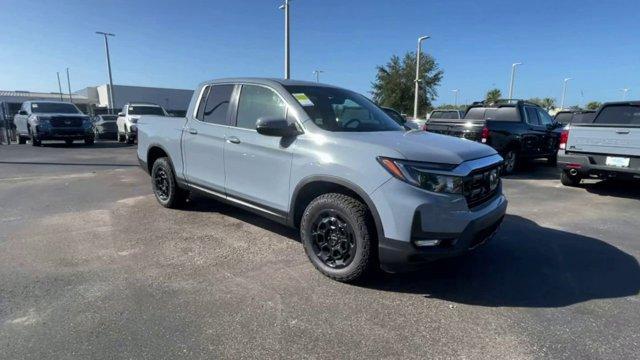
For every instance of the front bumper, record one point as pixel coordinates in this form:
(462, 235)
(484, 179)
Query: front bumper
(53, 133)
(593, 165)
(409, 214)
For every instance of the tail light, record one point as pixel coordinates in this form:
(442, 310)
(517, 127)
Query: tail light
(485, 135)
(564, 138)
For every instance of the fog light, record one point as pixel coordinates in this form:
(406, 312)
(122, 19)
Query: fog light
(435, 242)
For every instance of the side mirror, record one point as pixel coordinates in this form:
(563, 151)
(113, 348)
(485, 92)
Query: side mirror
(120, 114)
(275, 127)
(22, 112)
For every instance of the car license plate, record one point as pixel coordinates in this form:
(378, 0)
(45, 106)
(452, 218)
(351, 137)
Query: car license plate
(617, 161)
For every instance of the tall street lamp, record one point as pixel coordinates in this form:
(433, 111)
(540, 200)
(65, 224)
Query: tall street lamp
(106, 46)
(417, 90)
(69, 86)
(564, 91)
(317, 74)
(513, 76)
(455, 96)
(59, 86)
(287, 68)
(624, 93)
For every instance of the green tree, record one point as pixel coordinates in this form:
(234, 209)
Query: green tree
(548, 103)
(395, 82)
(493, 95)
(593, 105)
(536, 100)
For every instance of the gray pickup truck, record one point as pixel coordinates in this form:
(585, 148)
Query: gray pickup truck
(607, 147)
(362, 190)
(52, 120)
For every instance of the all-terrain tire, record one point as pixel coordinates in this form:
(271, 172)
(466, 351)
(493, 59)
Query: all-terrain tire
(568, 180)
(167, 193)
(357, 216)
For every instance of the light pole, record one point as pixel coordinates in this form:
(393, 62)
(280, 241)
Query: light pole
(69, 86)
(317, 74)
(417, 90)
(564, 92)
(624, 93)
(59, 86)
(455, 97)
(287, 68)
(106, 46)
(513, 76)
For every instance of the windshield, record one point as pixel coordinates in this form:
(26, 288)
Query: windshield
(619, 115)
(564, 117)
(444, 115)
(395, 116)
(145, 110)
(58, 108)
(334, 109)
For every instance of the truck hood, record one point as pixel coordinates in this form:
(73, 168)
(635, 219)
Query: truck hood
(424, 146)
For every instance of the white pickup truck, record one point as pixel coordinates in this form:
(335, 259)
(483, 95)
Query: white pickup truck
(607, 147)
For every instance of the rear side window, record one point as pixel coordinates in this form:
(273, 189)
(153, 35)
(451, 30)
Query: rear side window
(444, 115)
(258, 102)
(619, 115)
(217, 106)
(475, 114)
(532, 115)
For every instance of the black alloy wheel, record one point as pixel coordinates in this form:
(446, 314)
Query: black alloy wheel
(334, 240)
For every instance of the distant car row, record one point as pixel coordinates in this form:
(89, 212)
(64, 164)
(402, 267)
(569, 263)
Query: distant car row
(39, 121)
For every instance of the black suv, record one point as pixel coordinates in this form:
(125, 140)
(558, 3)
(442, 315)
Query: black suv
(517, 129)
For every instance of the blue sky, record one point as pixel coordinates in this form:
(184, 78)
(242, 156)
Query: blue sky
(181, 43)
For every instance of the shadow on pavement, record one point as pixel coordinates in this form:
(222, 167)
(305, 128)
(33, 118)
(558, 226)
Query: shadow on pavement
(64, 164)
(535, 170)
(526, 265)
(616, 188)
(96, 145)
(203, 204)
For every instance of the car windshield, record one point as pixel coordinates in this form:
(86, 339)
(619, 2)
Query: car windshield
(395, 116)
(564, 117)
(57, 108)
(145, 110)
(444, 115)
(339, 110)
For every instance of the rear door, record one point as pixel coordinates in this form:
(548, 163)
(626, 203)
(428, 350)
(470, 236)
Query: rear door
(204, 138)
(258, 167)
(552, 135)
(535, 135)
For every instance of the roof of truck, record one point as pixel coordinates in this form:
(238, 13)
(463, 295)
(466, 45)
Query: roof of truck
(267, 81)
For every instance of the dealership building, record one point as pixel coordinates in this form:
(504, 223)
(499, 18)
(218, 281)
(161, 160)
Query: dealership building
(95, 99)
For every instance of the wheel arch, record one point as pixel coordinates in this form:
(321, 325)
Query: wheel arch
(314, 186)
(155, 152)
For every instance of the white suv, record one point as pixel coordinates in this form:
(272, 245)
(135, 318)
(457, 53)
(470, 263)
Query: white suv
(128, 118)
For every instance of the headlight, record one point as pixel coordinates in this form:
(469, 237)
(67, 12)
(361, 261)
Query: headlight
(41, 120)
(424, 175)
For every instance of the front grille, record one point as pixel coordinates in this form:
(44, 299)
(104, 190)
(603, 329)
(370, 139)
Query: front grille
(477, 186)
(65, 122)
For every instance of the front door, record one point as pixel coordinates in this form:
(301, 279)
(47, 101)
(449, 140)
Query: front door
(204, 138)
(258, 166)
(535, 135)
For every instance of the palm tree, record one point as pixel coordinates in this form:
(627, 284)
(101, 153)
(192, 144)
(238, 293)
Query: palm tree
(493, 95)
(548, 103)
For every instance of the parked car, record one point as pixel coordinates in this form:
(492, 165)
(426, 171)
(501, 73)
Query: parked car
(446, 114)
(608, 147)
(127, 119)
(401, 120)
(52, 120)
(517, 129)
(566, 117)
(105, 126)
(328, 161)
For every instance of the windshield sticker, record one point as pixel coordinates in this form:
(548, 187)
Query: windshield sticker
(303, 99)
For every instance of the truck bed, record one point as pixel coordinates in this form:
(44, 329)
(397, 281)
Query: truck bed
(461, 128)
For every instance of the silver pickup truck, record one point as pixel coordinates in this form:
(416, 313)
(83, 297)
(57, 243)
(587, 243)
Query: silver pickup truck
(607, 147)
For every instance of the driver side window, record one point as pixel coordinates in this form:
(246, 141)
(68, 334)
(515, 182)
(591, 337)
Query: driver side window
(257, 102)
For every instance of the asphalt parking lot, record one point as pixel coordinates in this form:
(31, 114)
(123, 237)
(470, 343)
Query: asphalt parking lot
(92, 267)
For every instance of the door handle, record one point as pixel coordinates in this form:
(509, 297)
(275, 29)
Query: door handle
(192, 131)
(622, 132)
(233, 140)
